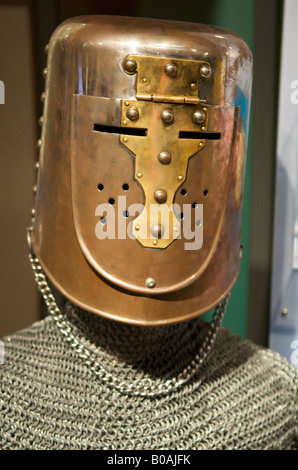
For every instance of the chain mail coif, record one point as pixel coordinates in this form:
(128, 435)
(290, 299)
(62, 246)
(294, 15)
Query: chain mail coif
(243, 397)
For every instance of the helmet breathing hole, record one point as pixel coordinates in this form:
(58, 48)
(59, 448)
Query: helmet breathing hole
(198, 223)
(181, 215)
(100, 187)
(183, 192)
(125, 187)
(194, 205)
(126, 214)
(103, 220)
(205, 192)
(111, 201)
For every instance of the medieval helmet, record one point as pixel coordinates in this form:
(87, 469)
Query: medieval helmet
(141, 170)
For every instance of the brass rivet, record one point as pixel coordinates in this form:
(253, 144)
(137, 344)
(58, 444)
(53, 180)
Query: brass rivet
(42, 96)
(193, 86)
(284, 312)
(180, 177)
(203, 129)
(124, 123)
(46, 49)
(127, 103)
(40, 121)
(171, 70)
(150, 282)
(164, 157)
(160, 196)
(145, 80)
(201, 144)
(35, 189)
(157, 231)
(155, 242)
(199, 116)
(137, 227)
(37, 165)
(167, 116)
(130, 65)
(125, 139)
(139, 174)
(132, 114)
(33, 212)
(205, 109)
(38, 143)
(45, 72)
(175, 229)
(205, 71)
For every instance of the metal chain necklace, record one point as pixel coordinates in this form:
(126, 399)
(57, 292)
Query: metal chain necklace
(144, 387)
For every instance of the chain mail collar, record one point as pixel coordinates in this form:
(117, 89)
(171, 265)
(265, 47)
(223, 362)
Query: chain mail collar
(65, 384)
(137, 356)
(157, 359)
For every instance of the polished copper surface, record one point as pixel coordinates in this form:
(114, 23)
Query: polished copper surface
(90, 76)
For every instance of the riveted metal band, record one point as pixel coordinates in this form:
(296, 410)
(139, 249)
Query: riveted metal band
(166, 103)
(153, 83)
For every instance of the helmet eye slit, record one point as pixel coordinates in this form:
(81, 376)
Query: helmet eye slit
(120, 130)
(199, 135)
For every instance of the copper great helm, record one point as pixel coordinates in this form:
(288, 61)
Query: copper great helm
(141, 171)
